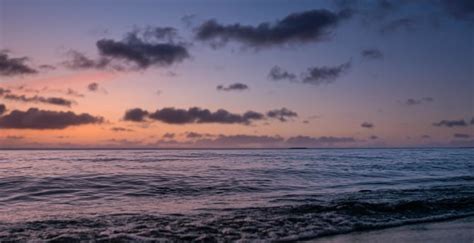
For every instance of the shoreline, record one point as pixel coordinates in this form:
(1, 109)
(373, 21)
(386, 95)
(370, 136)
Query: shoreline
(456, 230)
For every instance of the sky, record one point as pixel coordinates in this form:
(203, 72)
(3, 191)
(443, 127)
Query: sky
(236, 74)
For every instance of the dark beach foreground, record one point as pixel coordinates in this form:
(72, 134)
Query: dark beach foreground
(460, 231)
(232, 195)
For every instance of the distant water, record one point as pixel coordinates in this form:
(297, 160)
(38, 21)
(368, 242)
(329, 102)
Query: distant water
(227, 194)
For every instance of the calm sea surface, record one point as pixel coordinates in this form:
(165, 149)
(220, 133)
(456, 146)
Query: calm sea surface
(227, 194)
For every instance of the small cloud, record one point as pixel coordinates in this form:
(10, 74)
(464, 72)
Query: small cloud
(461, 135)
(169, 135)
(233, 87)
(412, 102)
(373, 137)
(37, 99)
(93, 87)
(313, 75)
(74, 93)
(282, 114)
(372, 53)
(451, 123)
(367, 125)
(194, 135)
(324, 75)
(121, 129)
(277, 73)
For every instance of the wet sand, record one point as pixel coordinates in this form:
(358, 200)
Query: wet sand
(460, 231)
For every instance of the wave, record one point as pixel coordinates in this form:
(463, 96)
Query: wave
(342, 214)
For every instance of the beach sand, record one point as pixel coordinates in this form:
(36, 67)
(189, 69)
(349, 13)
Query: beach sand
(459, 231)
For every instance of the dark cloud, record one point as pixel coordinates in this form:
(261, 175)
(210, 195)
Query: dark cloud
(197, 115)
(308, 26)
(389, 15)
(282, 114)
(136, 115)
(233, 87)
(372, 53)
(472, 121)
(306, 141)
(3, 108)
(121, 129)
(169, 135)
(412, 101)
(93, 87)
(144, 51)
(324, 75)
(461, 135)
(11, 66)
(460, 9)
(426, 136)
(367, 125)
(172, 115)
(381, 13)
(313, 75)
(451, 123)
(34, 118)
(277, 74)
(140, 49)
(38, 99)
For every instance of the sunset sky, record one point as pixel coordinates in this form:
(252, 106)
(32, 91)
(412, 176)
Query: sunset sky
(294, 73)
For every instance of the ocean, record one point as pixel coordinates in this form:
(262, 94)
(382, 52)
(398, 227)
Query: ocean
(227, 195)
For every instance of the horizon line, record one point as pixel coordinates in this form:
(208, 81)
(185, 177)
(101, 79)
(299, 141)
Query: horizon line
(236, 148)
